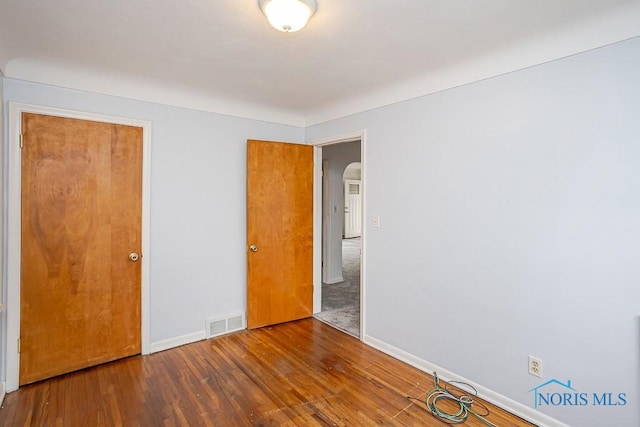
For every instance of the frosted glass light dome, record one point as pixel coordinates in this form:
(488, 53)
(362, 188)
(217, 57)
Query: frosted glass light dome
(288, 15)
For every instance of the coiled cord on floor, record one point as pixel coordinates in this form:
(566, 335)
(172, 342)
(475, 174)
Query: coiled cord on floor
(461, 399)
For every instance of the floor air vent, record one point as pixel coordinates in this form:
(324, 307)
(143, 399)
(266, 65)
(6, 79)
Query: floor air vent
(215, 327)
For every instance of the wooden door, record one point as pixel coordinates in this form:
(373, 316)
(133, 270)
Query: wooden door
(81, 219)
(352, 208)
(279, 232)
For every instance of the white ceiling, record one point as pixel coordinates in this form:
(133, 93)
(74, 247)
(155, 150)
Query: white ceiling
(221, 55)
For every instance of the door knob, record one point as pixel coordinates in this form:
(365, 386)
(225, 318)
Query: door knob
(253, 248)
(134, 256)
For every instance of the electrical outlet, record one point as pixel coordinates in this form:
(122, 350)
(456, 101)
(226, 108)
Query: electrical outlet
(376, 221)
(535, 366)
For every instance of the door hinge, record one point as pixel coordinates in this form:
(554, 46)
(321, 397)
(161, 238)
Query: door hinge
(18, 345)
(21, 142)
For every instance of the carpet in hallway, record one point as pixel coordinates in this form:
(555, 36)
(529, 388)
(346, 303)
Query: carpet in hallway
(341, 301)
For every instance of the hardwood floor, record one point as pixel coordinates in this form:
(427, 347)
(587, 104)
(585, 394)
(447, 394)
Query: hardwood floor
(302, 373)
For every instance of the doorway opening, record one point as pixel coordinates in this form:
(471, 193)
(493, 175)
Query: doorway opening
(342, 236)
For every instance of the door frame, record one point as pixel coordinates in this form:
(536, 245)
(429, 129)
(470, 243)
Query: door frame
(318, 254)
(13, 228)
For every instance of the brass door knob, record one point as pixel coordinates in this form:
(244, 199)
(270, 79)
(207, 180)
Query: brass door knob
(253, 248)
(134, 257)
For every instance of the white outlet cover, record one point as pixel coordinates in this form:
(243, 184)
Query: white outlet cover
(535, 366)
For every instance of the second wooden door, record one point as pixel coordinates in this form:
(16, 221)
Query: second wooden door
(279, 232)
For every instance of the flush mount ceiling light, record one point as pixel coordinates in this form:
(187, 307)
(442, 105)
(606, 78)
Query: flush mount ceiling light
(288, 15)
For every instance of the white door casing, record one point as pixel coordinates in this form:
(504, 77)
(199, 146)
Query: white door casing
(14, 227)
(319, 255)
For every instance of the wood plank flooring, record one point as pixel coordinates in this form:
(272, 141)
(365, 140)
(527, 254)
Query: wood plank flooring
(302, 373)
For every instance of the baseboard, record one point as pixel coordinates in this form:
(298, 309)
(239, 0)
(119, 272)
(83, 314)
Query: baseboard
(3, 391)
(334, 280)
(491, 396)
(177, 341)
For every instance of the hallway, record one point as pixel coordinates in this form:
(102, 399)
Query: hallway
(341, 301)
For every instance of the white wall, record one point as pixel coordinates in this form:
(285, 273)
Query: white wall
(339, 156)
(198, 193)
(510, 226)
